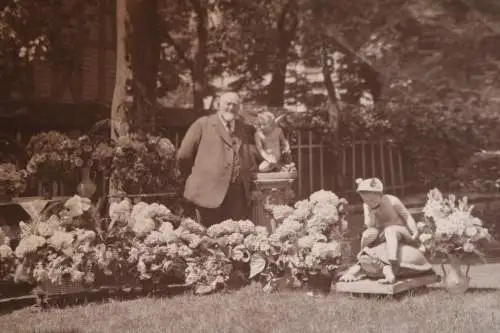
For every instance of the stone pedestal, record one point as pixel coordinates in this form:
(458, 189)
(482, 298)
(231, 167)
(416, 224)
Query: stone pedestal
(271, 188)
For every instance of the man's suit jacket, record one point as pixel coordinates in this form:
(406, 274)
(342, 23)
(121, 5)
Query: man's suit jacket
(206, 152)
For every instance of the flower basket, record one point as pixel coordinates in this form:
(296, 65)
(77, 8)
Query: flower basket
(66, 286)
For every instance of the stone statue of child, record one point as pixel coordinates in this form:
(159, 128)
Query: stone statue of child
(271, 143)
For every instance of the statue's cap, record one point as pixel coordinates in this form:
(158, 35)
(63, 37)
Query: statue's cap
(370, 185)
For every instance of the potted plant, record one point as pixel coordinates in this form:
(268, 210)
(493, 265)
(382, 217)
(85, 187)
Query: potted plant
(451, 233)
(12, 181)
(51, 158)
(144, 164)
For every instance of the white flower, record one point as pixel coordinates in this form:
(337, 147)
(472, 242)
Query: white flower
(469, 247)
(5, 252)
(470, 231)
(302, 210)
(154, 238)
(235, 239)
(61, 240)
(323, 196)
(192, 226)
(77, 205)
(260, 230)
(424, 238)
(120, 211)
(143, 226)
(247, 227)
(47, 228)
(29, 245)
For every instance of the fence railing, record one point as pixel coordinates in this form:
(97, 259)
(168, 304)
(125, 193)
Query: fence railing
(319, 168)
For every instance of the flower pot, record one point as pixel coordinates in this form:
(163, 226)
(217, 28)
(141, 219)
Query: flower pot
(87, 187)
(454, 280)
(320, 284)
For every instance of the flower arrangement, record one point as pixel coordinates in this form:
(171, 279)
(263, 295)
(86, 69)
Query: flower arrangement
(56, 249)
(12, 180)
(92, 152)
(144, 163)
(145, 244)
(307, 241)
(450, 228)
(52, 156)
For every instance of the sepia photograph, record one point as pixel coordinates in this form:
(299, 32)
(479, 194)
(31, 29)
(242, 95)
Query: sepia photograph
(250, 166)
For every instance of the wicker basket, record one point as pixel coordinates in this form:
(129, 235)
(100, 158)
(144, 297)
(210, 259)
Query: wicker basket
(66, 287)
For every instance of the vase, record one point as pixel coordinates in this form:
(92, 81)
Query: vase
(47, 189)
(454, 280)
(86, 188)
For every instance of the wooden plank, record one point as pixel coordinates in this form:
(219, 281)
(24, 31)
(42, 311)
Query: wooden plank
(400, 168)
(382, 159)
(363, 159)
(367, 286)
(321, 167)
(372, 155)
(391, 166)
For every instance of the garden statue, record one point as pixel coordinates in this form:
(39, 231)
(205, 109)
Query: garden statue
(272, 145)
(386, 219)
(373, 263)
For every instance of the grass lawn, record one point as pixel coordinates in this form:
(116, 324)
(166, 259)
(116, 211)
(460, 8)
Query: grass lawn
(251, 311)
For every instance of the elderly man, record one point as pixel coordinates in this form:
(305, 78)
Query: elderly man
(217, 154)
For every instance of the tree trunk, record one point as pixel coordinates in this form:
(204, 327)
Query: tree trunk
(119, 121)
(119, 114)
(144, 47)
(286, 28)
(200, 55)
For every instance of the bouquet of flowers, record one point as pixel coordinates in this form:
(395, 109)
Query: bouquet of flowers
(307, 239)
(92, 152)
(12, 180)
(57, 249)
(52, 155)
(450, 228)
(53, 254)
(144, 163)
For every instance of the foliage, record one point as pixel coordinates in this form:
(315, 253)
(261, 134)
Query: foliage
(12, 179)
(450, 227)
(480, 173)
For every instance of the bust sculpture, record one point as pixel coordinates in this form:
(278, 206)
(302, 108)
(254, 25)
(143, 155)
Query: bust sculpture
(272, 145)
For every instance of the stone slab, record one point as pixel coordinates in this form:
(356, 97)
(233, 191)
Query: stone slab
(367, 286)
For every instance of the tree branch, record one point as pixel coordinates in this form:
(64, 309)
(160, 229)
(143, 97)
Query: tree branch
(180, 52)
